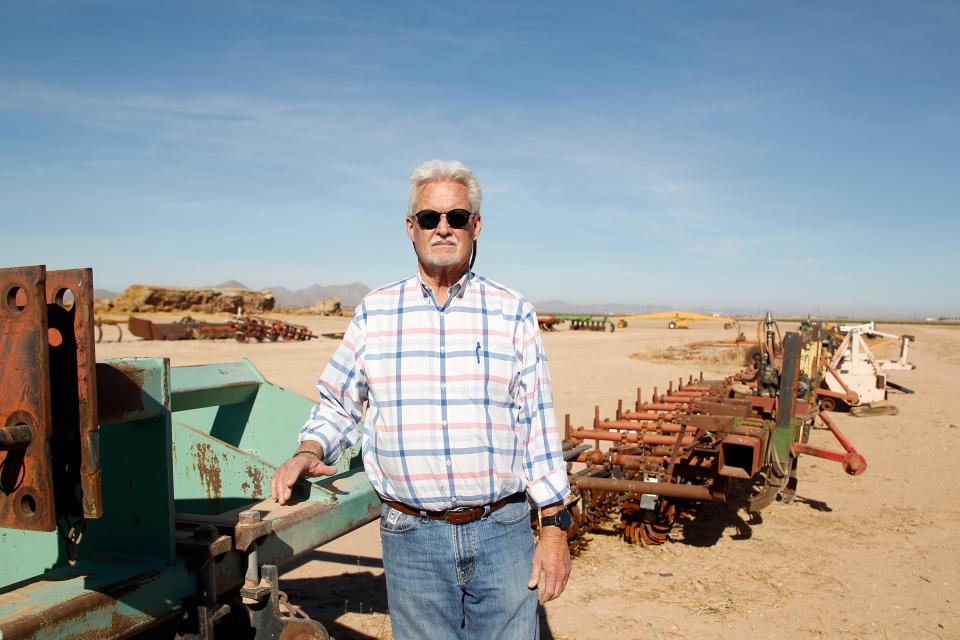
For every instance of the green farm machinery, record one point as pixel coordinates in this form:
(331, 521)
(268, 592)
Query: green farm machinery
(578, 322)
(133, 495)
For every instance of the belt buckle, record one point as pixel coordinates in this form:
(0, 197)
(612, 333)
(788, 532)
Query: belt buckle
(460, 515)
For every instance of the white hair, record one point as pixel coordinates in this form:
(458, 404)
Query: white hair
(444, 171)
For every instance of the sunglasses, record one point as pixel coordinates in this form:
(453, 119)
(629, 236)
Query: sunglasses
(430, 219)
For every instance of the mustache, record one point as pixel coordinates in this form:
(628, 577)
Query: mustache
(440, 241)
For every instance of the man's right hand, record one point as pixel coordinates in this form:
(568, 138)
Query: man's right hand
(296, 467)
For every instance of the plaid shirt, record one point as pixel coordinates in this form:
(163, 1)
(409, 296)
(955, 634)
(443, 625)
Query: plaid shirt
(460, 411)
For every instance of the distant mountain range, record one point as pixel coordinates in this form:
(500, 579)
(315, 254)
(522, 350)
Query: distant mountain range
(611, 308)
(230, 284)
(104, 294)
(621, 309)
(349, 295)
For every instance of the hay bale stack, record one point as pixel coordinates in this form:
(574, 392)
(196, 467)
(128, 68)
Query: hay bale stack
(140, 298)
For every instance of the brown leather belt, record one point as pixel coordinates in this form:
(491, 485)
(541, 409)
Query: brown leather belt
(457, 516)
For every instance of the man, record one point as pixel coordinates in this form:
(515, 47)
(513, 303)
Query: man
(459, 432)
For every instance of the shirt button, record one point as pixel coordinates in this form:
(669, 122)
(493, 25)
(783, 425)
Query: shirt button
(443, 385)
(441, 349)
(454, 500)
(448, 462)
(444, 423)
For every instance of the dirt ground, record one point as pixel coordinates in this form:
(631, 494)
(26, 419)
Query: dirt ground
(873, 556)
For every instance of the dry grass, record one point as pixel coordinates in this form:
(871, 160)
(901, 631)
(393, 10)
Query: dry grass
(715, 356)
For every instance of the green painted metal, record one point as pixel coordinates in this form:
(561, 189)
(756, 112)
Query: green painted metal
(214, 385)
(355, 505)
(262, 420)
(782, 439)
(231, 431)
(24, 554)
(179, 447)
(229, 477)
(95, 599)
(137, 473)
(132, 389)
(137, 479)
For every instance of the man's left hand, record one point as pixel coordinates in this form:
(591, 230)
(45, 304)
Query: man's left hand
(552, 557)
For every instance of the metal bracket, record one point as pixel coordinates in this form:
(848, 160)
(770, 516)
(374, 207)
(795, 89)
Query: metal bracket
(201, 551)
(26, 476)
(204, 544)
(48, 413)
(249, 529)
(270, 622)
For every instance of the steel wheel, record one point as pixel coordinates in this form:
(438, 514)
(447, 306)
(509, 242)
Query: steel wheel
(654, 532)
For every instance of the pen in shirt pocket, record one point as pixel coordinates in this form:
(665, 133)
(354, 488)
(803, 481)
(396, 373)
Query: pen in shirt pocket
(478, 353)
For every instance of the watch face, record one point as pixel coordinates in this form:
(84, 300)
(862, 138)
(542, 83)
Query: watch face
(564, 519)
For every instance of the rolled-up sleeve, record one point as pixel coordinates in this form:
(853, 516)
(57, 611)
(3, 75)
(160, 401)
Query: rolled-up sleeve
(545, 469)
(343, 391)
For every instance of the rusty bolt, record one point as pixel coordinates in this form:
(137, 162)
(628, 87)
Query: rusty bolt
(248, 517)
(206, 533)
(16, 436)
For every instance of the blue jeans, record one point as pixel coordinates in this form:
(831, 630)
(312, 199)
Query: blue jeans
(460, 581)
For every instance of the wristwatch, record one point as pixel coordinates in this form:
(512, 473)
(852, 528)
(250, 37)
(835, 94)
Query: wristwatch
(561, 519)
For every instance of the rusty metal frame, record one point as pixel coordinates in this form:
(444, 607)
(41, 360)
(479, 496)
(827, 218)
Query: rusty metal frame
(26, 475)
(48, 374)
(74, 390)
(706, 440)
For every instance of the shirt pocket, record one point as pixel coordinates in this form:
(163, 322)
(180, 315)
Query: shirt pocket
(494, 371)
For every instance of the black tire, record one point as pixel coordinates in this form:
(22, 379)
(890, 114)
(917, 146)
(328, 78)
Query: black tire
(671, 325)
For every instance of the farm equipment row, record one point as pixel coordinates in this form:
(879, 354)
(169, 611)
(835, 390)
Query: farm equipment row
(736, 440)
(578, 322)
(680, 319)
(242, 328)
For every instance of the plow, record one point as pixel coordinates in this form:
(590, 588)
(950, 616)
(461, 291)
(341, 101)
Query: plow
(241, 328)
(737, 440)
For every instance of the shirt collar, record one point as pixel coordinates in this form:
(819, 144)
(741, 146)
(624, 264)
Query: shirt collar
(456, 290)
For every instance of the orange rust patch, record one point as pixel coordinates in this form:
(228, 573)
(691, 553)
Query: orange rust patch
(256, 475)
(209, 468)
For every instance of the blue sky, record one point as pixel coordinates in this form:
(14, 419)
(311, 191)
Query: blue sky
(796, 156)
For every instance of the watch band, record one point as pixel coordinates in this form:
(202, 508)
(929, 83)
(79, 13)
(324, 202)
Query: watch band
(561, 519)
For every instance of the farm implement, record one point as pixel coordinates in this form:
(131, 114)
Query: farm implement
(241, 328)
(736, 440)
(134, 495)
(680, 319)
(590, 323)
(578, 322)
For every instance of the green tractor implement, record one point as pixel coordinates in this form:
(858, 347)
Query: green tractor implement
(134, 495)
